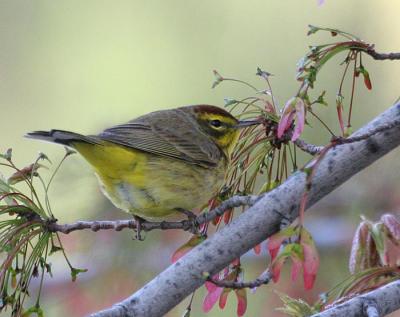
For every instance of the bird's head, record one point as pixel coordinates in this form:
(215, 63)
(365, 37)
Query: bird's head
(222, 127)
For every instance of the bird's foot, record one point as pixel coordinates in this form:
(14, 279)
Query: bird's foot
(192, 226)
(139, 221)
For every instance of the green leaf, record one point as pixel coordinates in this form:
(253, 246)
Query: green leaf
(7, 156)
(377, 233)
(312, 29)
(69, 151)
(262, 73)
(75, 272)
(44, 157)
(359, 250)
(4, 186)
(218, 79)
(229, 102)
(295, 307)
(54, 249)
(321, 100)
(33, 310)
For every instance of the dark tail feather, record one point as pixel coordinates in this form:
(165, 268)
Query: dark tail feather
(61, 137)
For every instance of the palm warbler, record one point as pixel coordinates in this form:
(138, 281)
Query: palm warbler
(162, 162)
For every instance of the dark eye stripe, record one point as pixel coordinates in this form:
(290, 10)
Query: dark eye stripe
(216, 123)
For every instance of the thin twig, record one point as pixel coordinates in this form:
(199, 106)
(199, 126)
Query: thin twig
(186, 225)
(315, 149)
(263, 279)
(382, 56)
(308, 147)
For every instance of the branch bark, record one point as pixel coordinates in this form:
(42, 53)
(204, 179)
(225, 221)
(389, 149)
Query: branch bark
(379, 302)
(118, 225)
(259, 222)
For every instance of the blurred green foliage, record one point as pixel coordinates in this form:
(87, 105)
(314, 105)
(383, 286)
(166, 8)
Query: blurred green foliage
(86, 65)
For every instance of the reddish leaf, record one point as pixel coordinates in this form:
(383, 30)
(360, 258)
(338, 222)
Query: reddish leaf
(287, 117)
(227, 215)
(367, 79)
(277, 267)
(392, 251)
(216, 220)
(185, 248)
(297, 264)
(23, 174)
(311, 259)
(277, 263)
(392, 225)
(211, 287)
(300, 119)
(294, 109)
(224, 297)
(242, 301)
(364, 72)
(359, 248)
(211, 298)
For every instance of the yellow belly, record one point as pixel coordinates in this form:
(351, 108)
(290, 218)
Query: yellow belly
(151, 186)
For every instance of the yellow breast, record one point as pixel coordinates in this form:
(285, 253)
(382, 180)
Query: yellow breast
(148, 185)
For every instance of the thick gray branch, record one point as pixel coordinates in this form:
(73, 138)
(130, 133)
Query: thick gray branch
(379, 302)
(258, 223)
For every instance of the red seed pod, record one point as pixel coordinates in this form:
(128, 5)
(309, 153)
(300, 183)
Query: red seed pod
(367, 80)
(228, 216)
(311, 259)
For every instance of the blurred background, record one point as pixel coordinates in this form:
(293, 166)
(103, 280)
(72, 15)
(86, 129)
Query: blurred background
(86, 65)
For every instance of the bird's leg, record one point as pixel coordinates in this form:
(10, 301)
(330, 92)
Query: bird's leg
(194, 226)
(138, 229)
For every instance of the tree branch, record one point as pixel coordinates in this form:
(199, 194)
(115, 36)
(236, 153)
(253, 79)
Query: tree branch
(118, 225)
(263, 279)
(258, 222)
(379, 302)
(315, 149)
(382, 56)
(308, 147)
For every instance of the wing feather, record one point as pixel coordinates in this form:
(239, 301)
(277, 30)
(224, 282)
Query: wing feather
(166, 133)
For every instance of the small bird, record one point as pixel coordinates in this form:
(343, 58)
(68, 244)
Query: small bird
(162, 163)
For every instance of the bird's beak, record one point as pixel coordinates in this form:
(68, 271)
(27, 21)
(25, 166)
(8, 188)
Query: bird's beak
(243, 124)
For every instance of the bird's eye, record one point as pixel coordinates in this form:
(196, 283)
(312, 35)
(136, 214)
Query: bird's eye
(216, 123)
